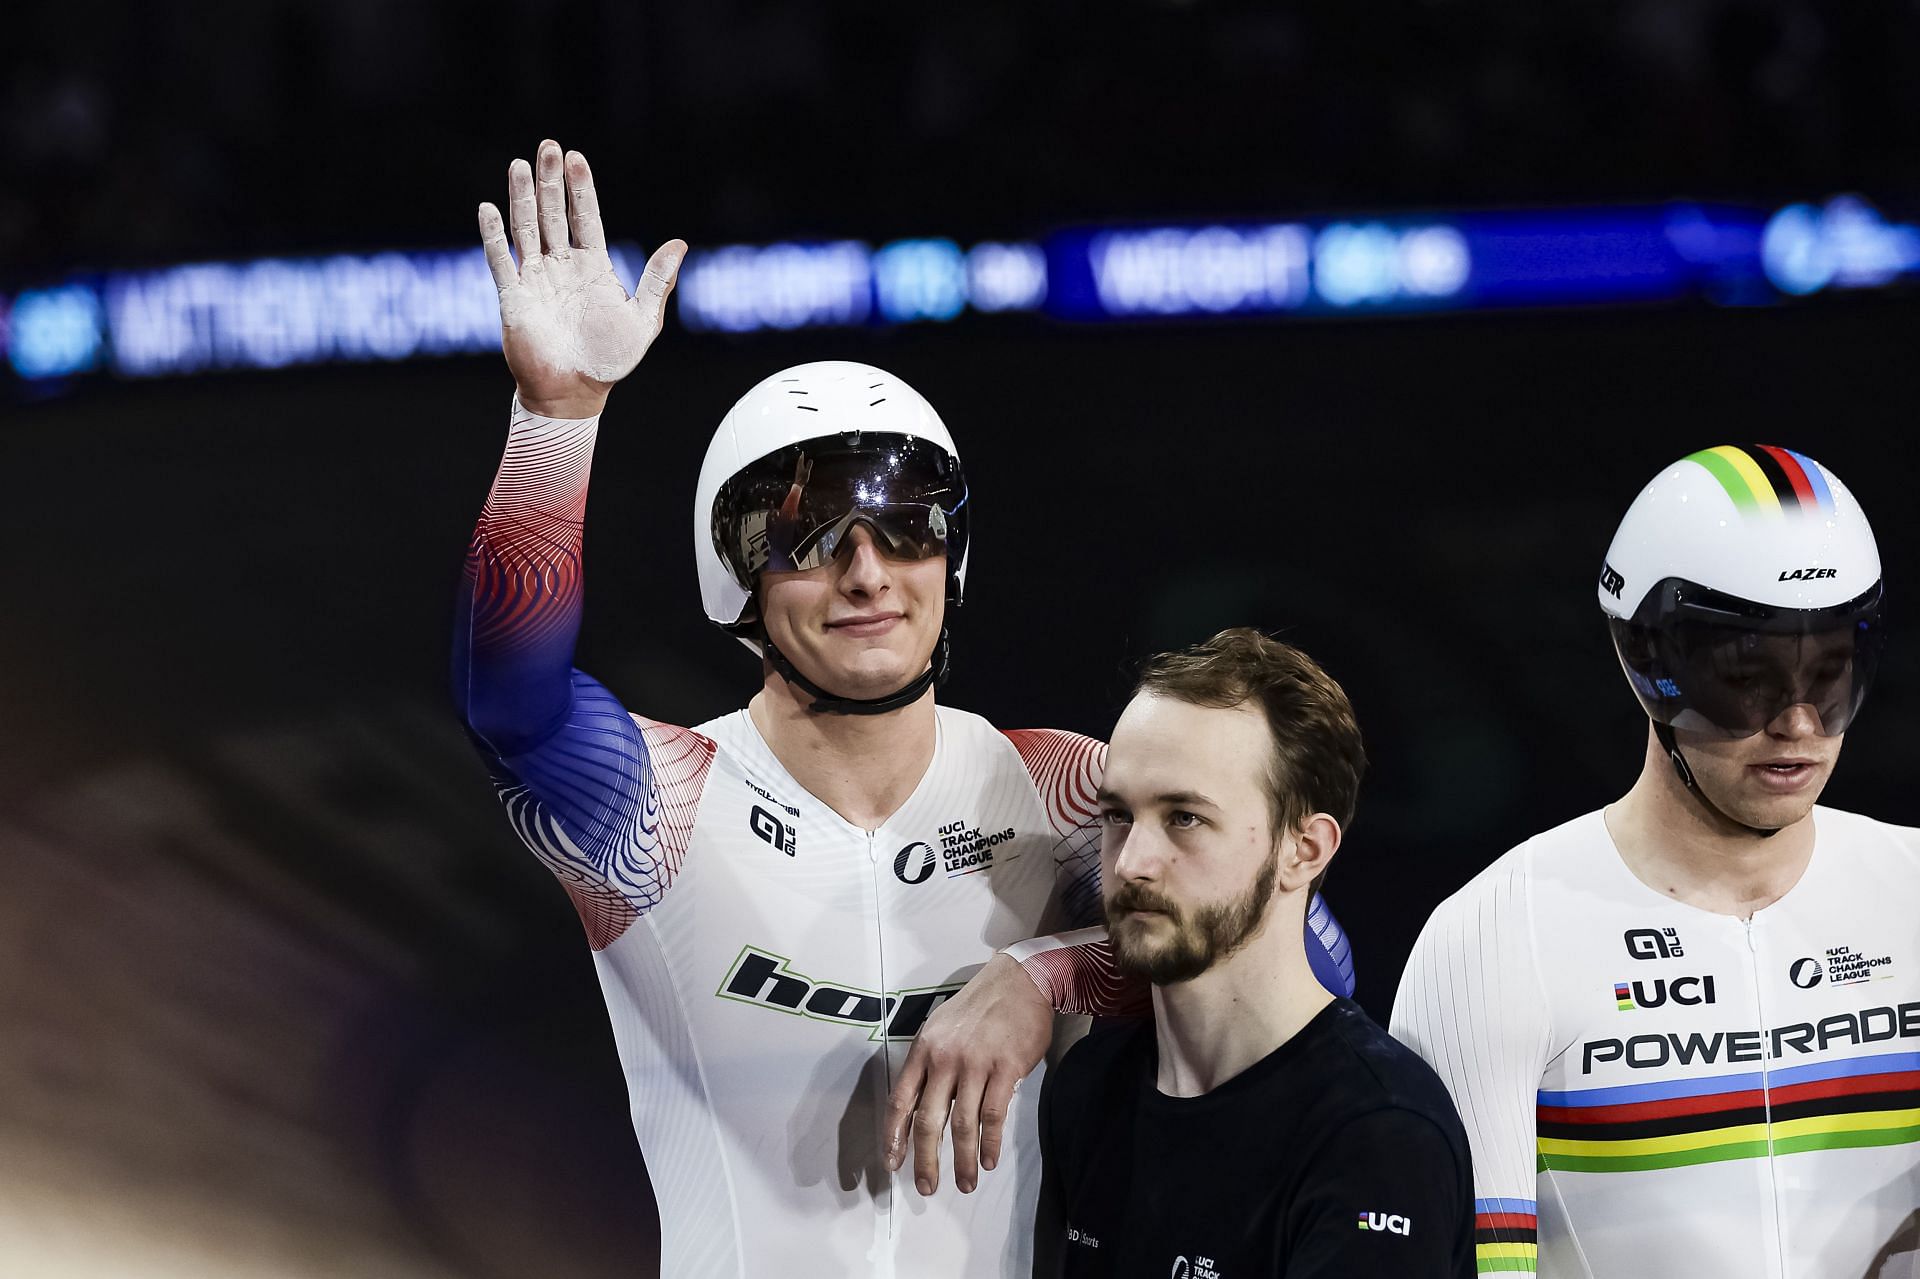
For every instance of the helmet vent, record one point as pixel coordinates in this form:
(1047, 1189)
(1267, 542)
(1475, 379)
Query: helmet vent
(881, 400)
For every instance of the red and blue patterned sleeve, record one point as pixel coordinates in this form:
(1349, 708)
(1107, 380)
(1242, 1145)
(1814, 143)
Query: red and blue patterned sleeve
(604, 800)
(1076, 969)
(1066, 769)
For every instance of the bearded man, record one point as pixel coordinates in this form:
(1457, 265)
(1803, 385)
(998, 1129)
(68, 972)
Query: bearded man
(1258, 1125)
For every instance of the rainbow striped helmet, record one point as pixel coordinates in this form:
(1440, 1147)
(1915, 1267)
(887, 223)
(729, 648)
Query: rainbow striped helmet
(1744, 580)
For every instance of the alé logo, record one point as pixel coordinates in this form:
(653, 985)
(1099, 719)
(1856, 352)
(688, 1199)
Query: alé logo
(1391, 1222)
(1653, 994)
(1654, 943)
(763, 978)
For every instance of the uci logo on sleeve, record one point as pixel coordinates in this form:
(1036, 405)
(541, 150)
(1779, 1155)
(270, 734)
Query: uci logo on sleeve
(1392, 1223)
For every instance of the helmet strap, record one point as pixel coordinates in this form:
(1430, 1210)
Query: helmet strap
(1664, 734)
(825, 703)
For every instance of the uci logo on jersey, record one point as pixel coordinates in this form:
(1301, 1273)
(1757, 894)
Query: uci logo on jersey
(1681, 990)
(1392, 1223)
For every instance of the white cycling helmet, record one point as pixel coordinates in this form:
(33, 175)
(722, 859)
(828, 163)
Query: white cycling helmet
(796, 463)
(1744, 580)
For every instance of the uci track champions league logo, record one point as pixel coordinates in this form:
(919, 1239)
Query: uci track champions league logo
(1866, 1025)
(964, 850)
(1844, 966)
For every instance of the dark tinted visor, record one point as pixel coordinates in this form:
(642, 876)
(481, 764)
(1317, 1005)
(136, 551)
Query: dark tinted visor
(1708, 663)
(793, 509)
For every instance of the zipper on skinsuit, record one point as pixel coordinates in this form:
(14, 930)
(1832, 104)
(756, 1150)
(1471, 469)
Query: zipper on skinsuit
(883, 1223)
(1766, 1099)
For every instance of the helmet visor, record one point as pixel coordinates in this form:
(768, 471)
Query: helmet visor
(792, 510)
(1709, 663)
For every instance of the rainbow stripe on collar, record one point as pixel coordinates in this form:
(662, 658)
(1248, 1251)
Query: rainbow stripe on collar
(1764, 480)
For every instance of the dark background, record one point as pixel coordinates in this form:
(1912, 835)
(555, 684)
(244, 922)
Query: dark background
(282, 995)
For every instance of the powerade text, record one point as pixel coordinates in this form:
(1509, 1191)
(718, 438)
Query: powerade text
(1655, 1052)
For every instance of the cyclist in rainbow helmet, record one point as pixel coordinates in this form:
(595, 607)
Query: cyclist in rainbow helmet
(1682, 1030)
(1732, 602)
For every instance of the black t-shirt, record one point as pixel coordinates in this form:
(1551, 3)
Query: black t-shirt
(1338, 1155)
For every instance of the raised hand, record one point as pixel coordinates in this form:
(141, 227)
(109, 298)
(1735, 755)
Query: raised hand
(567, 324)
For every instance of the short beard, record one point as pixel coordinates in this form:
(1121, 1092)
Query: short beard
(1214, 932)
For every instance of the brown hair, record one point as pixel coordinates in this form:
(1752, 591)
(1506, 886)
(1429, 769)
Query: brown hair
(1318, 759)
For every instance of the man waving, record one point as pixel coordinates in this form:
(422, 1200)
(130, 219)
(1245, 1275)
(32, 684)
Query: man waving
(777, 898)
